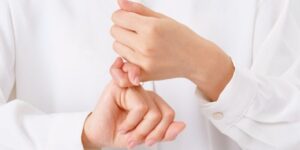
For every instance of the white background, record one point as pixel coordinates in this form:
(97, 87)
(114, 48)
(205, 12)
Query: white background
(296, 9)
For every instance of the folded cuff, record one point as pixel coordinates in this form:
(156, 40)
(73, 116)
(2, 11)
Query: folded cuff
(234, 101)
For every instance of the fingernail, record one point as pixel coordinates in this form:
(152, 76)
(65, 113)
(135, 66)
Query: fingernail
(150, 143)
(132, 144)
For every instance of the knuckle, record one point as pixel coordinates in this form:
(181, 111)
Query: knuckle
(170, 114)
(153, 28)
(115, 15)
(142, 108)
(146, 48)
(155, 116)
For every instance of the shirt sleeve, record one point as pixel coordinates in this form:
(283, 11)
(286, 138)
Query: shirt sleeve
(22, 126)
(260, 107)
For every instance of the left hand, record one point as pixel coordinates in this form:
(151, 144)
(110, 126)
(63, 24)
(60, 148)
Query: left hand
(156, 43)
(164, 48)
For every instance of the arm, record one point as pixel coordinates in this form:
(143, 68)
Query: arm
(265, 114)
(143, 37)
(122, 118)
(23, 126)
(257, 107)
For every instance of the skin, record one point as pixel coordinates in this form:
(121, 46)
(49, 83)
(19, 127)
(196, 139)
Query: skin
(155, 47)
(163, 48)
(127, 117)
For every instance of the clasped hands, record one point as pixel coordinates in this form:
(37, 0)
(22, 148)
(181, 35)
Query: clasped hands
(155, 47)
(127, 115)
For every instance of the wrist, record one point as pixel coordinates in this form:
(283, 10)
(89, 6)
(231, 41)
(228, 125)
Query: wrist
(86, 137)
(212, 72)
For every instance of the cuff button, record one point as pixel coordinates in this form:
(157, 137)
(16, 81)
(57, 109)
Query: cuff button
(218, 115)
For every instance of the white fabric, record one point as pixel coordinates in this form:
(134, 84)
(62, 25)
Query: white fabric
(55, 56)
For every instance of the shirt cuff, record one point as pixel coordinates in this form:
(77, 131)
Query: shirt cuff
(66, 130)
(233, 102)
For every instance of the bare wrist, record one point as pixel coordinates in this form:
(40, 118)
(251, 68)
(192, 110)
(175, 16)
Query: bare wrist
(215, 75)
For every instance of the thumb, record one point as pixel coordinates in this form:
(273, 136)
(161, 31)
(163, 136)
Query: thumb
(137, 8)
(119, 76)
(133, 72)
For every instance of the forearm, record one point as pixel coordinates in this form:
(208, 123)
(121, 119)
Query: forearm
(212, 76)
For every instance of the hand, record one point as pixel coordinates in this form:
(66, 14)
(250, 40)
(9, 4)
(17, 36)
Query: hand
(158, 44)
(129, 117)
(125, 74)
(164, 49)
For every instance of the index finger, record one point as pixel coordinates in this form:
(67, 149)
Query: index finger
(129, 20)
(138, 8)
(119, 76)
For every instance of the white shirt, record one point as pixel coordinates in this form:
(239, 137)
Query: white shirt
(55, 56)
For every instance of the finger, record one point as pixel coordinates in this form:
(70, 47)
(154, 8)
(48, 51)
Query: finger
(119, 76)
(125, 36)
(137, 8)
(137, 109)
(133, 72)
(118, 63)
(129, 20)
(126, 52)
(151, 120)
(174, 130)
(168, 117)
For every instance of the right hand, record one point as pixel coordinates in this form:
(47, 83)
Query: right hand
(127, 117)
